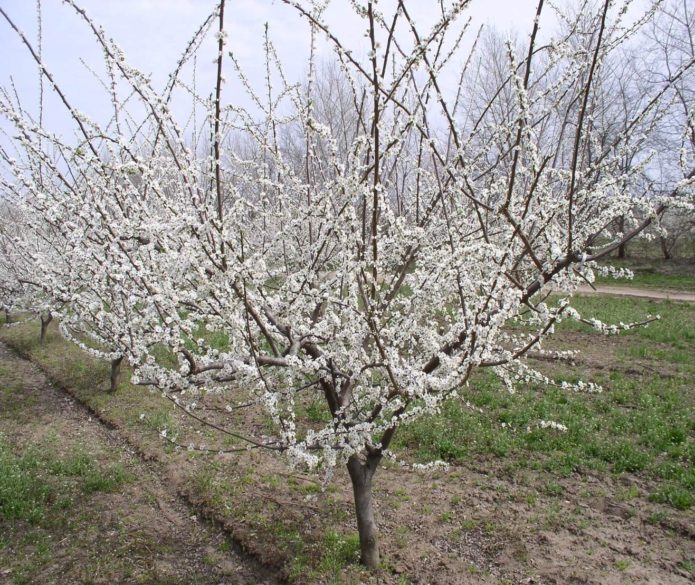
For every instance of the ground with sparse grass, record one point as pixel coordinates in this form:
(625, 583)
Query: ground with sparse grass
(610, 501)
(78, 506)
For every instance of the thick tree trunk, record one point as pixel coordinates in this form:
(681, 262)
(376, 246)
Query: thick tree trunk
(45, 322)
(115, 373)
(361, 473)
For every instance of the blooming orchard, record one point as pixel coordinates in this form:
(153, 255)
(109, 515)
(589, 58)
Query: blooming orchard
(365, 236)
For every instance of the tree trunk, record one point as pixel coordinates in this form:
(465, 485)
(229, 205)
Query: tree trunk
(8, 318)
(665, 250)
(361, 473)
(45, 322)
(115, 373)
(622, 249)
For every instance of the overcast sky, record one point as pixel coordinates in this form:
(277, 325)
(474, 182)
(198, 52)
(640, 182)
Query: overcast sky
(153, 33)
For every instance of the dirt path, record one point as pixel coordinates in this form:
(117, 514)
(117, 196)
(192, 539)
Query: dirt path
(645, 293)
(78, 506)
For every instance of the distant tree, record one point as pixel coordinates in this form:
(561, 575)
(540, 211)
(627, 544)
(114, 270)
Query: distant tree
(669, 44)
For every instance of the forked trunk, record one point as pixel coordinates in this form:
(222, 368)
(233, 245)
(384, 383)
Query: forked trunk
(361, 473)
(45, 322)
(115, 373)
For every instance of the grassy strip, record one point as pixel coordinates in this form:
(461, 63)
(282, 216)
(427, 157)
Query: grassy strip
(654, 274)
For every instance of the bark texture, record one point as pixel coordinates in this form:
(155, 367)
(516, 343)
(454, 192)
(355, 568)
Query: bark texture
(361, 473)
(45, 322)
(115, 373)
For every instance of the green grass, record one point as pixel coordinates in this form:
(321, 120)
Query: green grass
(653, 280)
(675, 327)
(640, 424)
(24, 494)
(38, 481)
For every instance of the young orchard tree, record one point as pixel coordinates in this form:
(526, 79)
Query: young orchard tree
(371, 260)
(31, 252)
(90, 212)
(394, 264)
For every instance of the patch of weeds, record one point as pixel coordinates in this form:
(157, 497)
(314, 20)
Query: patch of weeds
(629, 493)
(673, 495)
(446, 517)
(474, 569)
(338, 550)
(164, 356)
(401, 536)
(553, 489)
(106, 480)
(317, 412)
(469, 524)
(272, 481)
(624, 456)
(160, 420)
(77, 464)
(657, 518)
(24, 494)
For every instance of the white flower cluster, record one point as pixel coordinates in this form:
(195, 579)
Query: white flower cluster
(355, 241)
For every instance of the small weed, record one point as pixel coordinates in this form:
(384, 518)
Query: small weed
(401, 534)
(622, 564)
(446, 517)
(317, 412)
(657, 518)
(629, 493)
(106, 480)
(553, 489)
(469, 524)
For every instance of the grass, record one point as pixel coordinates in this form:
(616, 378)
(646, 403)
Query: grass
(39, 481)
(646, 278)
(651, 271)
(45, 500)
(639, 424)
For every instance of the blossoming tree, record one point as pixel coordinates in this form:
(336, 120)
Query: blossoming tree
(371, 254)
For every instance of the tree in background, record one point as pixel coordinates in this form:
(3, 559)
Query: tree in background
(670, 44)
